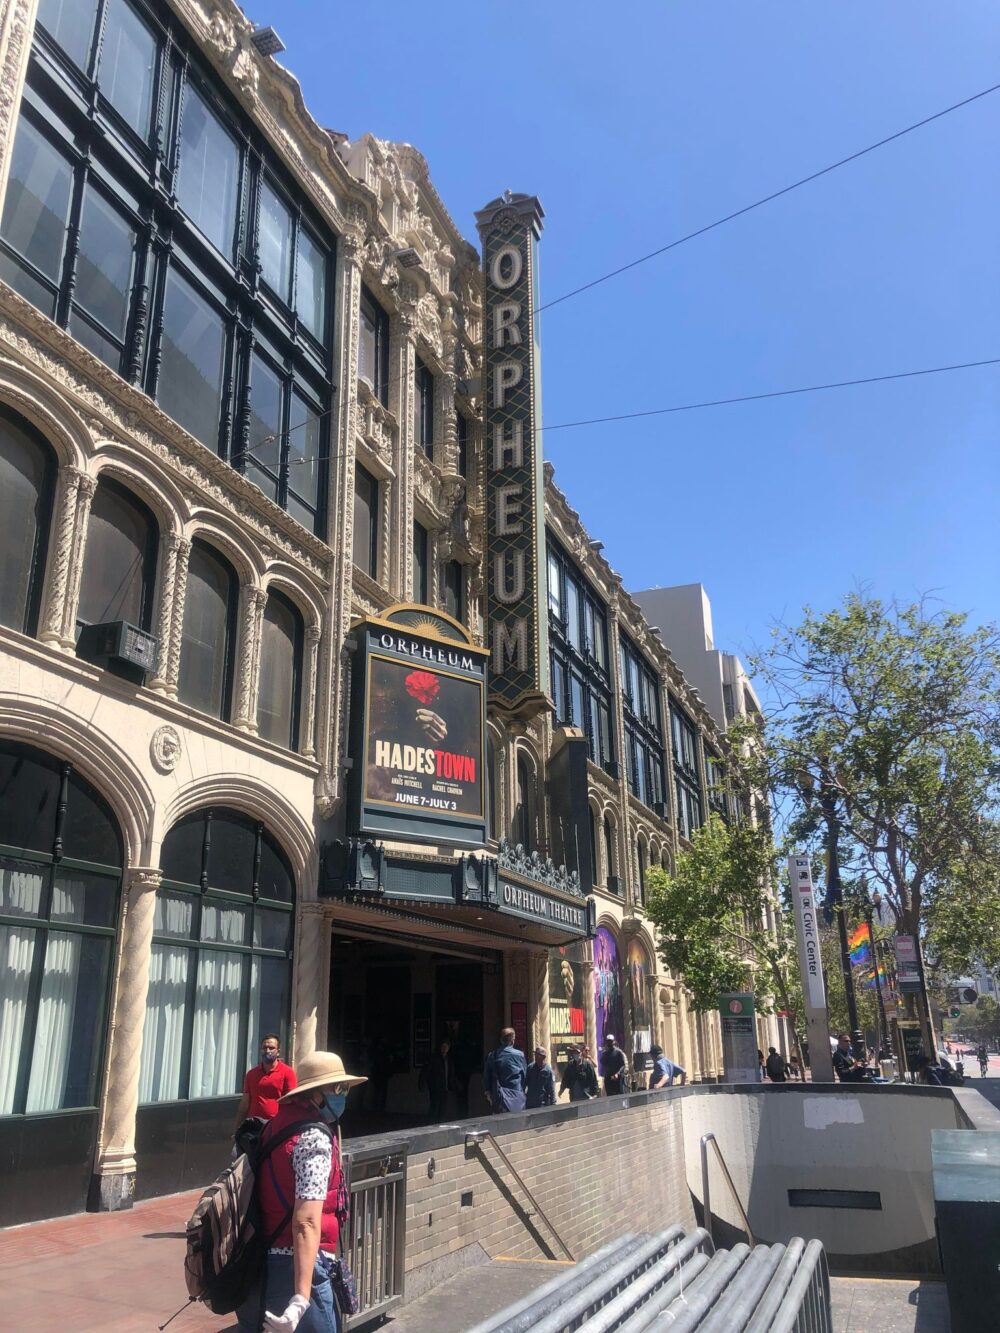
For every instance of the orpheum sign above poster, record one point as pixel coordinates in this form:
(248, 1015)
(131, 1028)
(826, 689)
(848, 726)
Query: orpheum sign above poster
(418, 715)
(515, 525)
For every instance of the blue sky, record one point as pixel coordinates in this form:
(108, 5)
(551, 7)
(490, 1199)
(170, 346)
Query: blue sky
(635, 123)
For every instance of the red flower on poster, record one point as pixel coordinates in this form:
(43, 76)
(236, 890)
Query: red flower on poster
(423, 686)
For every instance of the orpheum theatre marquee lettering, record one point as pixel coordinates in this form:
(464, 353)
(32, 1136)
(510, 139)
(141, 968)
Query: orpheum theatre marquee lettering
(509, 228)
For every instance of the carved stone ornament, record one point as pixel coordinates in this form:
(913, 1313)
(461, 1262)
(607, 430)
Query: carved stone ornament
(165, 749)
(529, 865)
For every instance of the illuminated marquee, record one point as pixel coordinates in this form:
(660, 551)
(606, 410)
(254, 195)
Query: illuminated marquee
(516, 602)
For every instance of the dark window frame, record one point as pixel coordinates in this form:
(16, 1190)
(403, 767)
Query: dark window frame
(298, 664)
(421, 564)
(643, 733)
(423, 407)
(462, 442)
(151, 556)
(576, 662)
(232, 622)
(374, 515)
(138, 178)
(453, 589)
(373, 311)
(38, 559)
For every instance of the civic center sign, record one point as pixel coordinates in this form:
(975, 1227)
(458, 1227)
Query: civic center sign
(517, 617)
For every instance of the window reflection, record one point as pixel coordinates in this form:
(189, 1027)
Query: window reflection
(207, 639)
(119, 560)
(71, 23)
(209, 172)
(35, 212)
(280, 652)
(128, 65)
(193, 347)
(27, 477)
(275, 241)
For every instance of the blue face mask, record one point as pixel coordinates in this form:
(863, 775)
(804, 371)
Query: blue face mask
(333, 1105)
(269, 1057)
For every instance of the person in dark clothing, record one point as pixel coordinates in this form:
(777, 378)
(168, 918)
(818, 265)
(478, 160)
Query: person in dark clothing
(505, 1075)
(664, 1070)
(580, 1078)
(924, 1072)
(437, 1080)
(847, 1069)
(614, 1067)
(775, 1067)
(541, 1085)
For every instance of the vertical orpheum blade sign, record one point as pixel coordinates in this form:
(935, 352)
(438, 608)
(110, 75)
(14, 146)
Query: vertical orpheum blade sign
(517, 630)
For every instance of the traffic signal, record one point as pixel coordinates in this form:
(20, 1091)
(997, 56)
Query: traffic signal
(954, 1012)
(968, 995)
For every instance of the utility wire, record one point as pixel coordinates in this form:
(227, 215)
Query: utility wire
(767, 199)
(742, 398)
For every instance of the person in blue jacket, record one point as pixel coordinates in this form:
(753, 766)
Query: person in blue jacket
(541, 1085)
(505, 1075)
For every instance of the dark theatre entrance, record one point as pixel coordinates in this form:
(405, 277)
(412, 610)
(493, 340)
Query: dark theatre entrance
(392, 1003)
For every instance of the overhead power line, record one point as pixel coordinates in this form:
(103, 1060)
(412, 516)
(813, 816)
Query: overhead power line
(775, 393)
(767, 199)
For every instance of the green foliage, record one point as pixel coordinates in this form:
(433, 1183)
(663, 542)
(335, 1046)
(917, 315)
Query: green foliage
(712, 914)
(980, 1020)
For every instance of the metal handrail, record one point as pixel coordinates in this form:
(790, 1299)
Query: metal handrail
(476, 1140)
(706, 1139)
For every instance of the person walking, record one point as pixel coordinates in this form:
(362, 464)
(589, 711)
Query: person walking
(303, 1203)
(541, 1084)
(614, 1067)
(775, 1067)
(664, 1071)
(505, 1075)
(580, 1077)
(984, 1059)
(437, 1080)
(266, 1083)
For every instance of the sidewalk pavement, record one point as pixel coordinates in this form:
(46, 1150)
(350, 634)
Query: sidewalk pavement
(103, 1273)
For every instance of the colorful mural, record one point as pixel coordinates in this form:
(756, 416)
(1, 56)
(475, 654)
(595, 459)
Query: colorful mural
(607, 985)
(640, 996)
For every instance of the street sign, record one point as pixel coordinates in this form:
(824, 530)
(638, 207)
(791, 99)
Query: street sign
(811, 967)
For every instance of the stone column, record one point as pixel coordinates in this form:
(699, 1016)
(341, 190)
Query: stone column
(589, 1007)
(309, 1001)
(61, 550)
(540, 1035)
(114, 1184)
(249, 659)
(170, 621)
(307, 743)
(87, 485)
(15, 45)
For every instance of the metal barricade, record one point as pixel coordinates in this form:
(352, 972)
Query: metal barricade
(375, 1244)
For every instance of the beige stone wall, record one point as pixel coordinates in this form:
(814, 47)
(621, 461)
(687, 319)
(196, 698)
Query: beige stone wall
(594, 1177)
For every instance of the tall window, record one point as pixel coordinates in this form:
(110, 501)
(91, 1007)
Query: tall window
(423, 409)
(610, 865)
(462, 435)
(278, 699)
(373, 347)
(60, 880)
(27, 482)
(208, 637)
(643, 727)
(493, 773)
(581, 684)
(687, 780)
(523, 828)
(119, 560)
(593, 843)
(220, 969)
(365, 521)
(453, 589)
(641, 885)
(175, 299)
(421, 565)
(715, 782)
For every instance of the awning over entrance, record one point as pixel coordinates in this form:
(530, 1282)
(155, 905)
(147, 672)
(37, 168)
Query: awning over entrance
(513, 895)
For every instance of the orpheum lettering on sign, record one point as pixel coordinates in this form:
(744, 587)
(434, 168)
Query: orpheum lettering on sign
(518, 627)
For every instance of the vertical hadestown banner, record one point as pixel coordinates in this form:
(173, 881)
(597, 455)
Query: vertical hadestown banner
(517, 632)
(418, 730)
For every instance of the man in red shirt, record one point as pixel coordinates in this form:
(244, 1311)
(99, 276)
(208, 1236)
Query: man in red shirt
(265, 1083)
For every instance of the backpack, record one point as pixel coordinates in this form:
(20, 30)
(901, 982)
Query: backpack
(775, 1066)
(226, 1247)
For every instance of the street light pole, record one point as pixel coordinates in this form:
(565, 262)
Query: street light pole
(876, 901)
(835, 892)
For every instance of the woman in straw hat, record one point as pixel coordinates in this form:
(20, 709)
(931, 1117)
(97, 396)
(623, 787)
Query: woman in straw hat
(303, 1203)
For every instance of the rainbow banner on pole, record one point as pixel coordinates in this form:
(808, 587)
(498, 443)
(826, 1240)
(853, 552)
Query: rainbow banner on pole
(859, 944)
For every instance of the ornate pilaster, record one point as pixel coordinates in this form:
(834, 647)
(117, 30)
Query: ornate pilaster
(15, 45)
(61, 551)
(540, 1000)
(589, 1006)
(445, 424)
(86, 486)
(114, 1186)
(249, 659)
(178, 595)
(170, 621)
(398, 569)
(310, 994)
(307, 742)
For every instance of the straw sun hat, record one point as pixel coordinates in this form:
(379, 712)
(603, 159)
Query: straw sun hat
(322, 1069)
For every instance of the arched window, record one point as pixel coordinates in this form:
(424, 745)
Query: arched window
(208, 638)
(641, 885)
(119, 563)
(610, 868)
(523, 829)
(220, 969)
(280, 672)
(60, 880)
(27, 481)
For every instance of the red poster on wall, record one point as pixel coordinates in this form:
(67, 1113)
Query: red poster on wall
(519, 1022)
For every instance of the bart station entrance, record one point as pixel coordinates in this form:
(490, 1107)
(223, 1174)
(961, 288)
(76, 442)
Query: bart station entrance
(393, 1001)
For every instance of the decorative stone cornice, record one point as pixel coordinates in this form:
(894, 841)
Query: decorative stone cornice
(529, 865)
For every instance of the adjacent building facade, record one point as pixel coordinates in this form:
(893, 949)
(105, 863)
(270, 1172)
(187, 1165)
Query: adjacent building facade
(257, 770)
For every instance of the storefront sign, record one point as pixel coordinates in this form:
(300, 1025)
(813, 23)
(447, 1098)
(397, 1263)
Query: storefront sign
(509, 228)
(418, 728)
(538, 906)
(806, 913)
(739, 1039)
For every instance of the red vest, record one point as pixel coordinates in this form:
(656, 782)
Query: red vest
(276, 1179)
